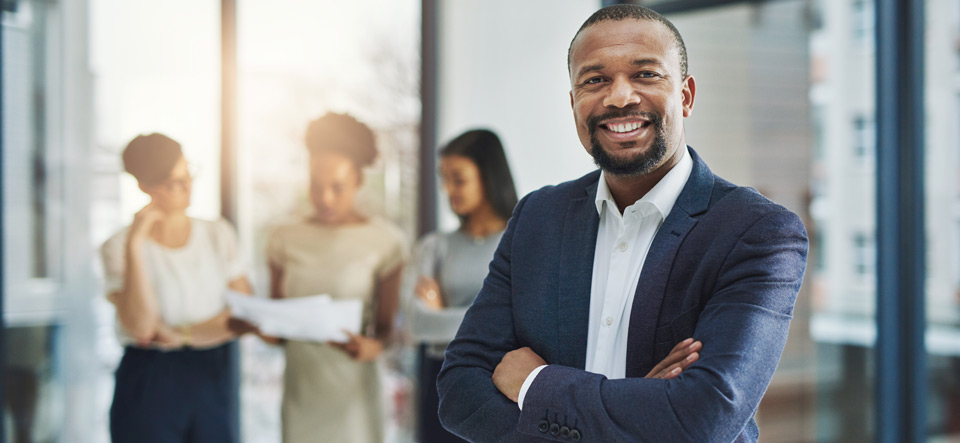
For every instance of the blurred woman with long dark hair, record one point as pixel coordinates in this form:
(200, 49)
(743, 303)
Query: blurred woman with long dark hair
(448, 268)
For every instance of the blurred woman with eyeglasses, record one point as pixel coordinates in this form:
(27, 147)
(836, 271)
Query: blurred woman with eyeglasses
(448, 268)
(167, 275)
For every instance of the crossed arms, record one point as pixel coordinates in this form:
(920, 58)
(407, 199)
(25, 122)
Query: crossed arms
(743, 327)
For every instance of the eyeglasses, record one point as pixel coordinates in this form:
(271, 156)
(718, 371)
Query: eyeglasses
(182, 183)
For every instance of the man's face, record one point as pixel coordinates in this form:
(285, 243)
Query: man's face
(628, 95)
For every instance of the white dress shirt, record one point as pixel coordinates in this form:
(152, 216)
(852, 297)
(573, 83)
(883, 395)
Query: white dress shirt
(623, 241)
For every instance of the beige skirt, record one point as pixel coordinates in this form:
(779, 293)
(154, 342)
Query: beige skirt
(327, 396)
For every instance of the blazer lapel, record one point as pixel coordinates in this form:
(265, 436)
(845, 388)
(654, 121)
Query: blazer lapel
(651, 289)
(576, 278)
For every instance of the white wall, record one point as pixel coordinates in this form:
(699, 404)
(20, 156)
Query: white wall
(502, 66)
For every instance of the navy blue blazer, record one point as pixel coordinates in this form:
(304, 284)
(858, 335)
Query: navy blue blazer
(725, 267)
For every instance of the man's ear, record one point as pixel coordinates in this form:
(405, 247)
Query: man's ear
(689, 92)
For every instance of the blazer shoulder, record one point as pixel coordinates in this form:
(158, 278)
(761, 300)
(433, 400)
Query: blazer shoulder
(562, 193)
(746, 206)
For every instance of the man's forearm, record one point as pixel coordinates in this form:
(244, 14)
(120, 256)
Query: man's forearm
(472, 408)
(711, 400)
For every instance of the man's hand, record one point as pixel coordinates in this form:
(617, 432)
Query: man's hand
(359, 347)
(680, 358)
(513, 369)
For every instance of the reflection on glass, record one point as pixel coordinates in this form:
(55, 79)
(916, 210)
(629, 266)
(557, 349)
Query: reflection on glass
(943, 218)
(25, 29)
(31, 389)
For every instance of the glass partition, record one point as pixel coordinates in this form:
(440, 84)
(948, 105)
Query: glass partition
(785, 104)
(296, 61)
(942, 183)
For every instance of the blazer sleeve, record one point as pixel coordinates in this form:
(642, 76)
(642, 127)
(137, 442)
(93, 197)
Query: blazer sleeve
(743, 328)
(470, 405)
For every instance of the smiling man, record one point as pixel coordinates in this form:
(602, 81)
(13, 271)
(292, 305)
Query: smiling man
(646, 301)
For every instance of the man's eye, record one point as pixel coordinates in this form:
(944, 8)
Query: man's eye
(648, 74)
(593, 80)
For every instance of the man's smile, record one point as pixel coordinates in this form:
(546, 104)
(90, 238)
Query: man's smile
(624, 129)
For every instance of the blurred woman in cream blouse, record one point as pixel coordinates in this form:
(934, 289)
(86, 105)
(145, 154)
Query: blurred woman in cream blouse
(332, 391)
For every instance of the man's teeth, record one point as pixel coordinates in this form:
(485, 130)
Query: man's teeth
(624, 127)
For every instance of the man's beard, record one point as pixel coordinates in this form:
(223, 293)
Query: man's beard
(640, 164)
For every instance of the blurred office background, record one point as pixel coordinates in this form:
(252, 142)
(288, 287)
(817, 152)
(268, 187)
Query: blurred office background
(787, 103)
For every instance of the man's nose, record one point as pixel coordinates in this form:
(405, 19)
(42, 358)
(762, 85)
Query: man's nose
(622, 94)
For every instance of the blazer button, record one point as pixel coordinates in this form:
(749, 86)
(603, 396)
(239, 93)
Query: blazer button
(543, 426)
(554, 429)
(565, 432)
(575, 435)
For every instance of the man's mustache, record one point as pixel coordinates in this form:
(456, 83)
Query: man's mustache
(594, 121)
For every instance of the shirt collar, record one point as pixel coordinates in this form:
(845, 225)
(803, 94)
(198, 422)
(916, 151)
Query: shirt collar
(663, 195)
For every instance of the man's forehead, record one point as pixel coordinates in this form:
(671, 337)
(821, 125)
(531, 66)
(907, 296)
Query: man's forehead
(650, 33)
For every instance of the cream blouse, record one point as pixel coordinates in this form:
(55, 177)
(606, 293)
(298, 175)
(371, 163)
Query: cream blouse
(189, 282)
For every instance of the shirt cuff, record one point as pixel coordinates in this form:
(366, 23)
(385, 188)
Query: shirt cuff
(526, 385)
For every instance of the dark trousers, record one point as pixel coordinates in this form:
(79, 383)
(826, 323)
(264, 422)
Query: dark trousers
(172, 397)
(430, 429)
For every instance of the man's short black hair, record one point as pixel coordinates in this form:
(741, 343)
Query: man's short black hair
(621, 12)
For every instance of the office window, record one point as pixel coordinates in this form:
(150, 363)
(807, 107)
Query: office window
(864, 140)
(956, 33)
(863, 22)
(295, 62)
(154, 67)
(46, 276)
(942, 207)
(25, 138)
(30, 384)
(776, 102)
(819, 258)
(864, 256)
(818, 126)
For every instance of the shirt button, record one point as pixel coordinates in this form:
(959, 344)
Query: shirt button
(609, 321)
(623, 247)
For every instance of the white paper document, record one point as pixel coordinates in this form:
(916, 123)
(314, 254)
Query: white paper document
(313, 318)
